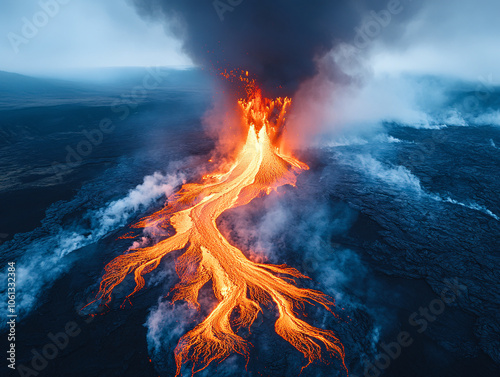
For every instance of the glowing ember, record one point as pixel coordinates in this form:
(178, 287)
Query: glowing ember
(239, 284)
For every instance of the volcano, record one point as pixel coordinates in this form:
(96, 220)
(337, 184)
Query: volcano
(240, 285)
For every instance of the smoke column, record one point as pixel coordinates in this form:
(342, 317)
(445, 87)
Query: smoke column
(279, 41)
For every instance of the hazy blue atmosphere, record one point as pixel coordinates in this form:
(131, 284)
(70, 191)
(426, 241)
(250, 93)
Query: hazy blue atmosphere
(108, 107)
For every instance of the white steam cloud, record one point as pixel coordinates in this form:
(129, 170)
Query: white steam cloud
(402, 178)
(44, 261)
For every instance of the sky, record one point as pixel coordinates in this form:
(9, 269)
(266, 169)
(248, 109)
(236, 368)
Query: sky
(82, 34)
(458, 38)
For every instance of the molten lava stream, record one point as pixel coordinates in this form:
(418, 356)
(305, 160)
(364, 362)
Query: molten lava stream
(239, 284)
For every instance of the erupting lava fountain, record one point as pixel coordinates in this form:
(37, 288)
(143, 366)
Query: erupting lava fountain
(240, 285)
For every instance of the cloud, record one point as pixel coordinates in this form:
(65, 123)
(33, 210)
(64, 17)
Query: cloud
(451, 38)
(82, 34)
(278, 41)
(166, 324)
(44, 260)
(403, 179)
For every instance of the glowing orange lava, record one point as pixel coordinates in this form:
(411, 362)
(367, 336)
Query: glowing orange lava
(240, 285)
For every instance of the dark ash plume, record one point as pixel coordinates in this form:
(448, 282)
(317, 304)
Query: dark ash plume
(277, 40)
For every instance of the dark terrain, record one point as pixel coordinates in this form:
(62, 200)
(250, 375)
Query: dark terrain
(384, 226)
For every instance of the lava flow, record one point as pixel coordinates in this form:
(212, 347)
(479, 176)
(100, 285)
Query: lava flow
(240, 285)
